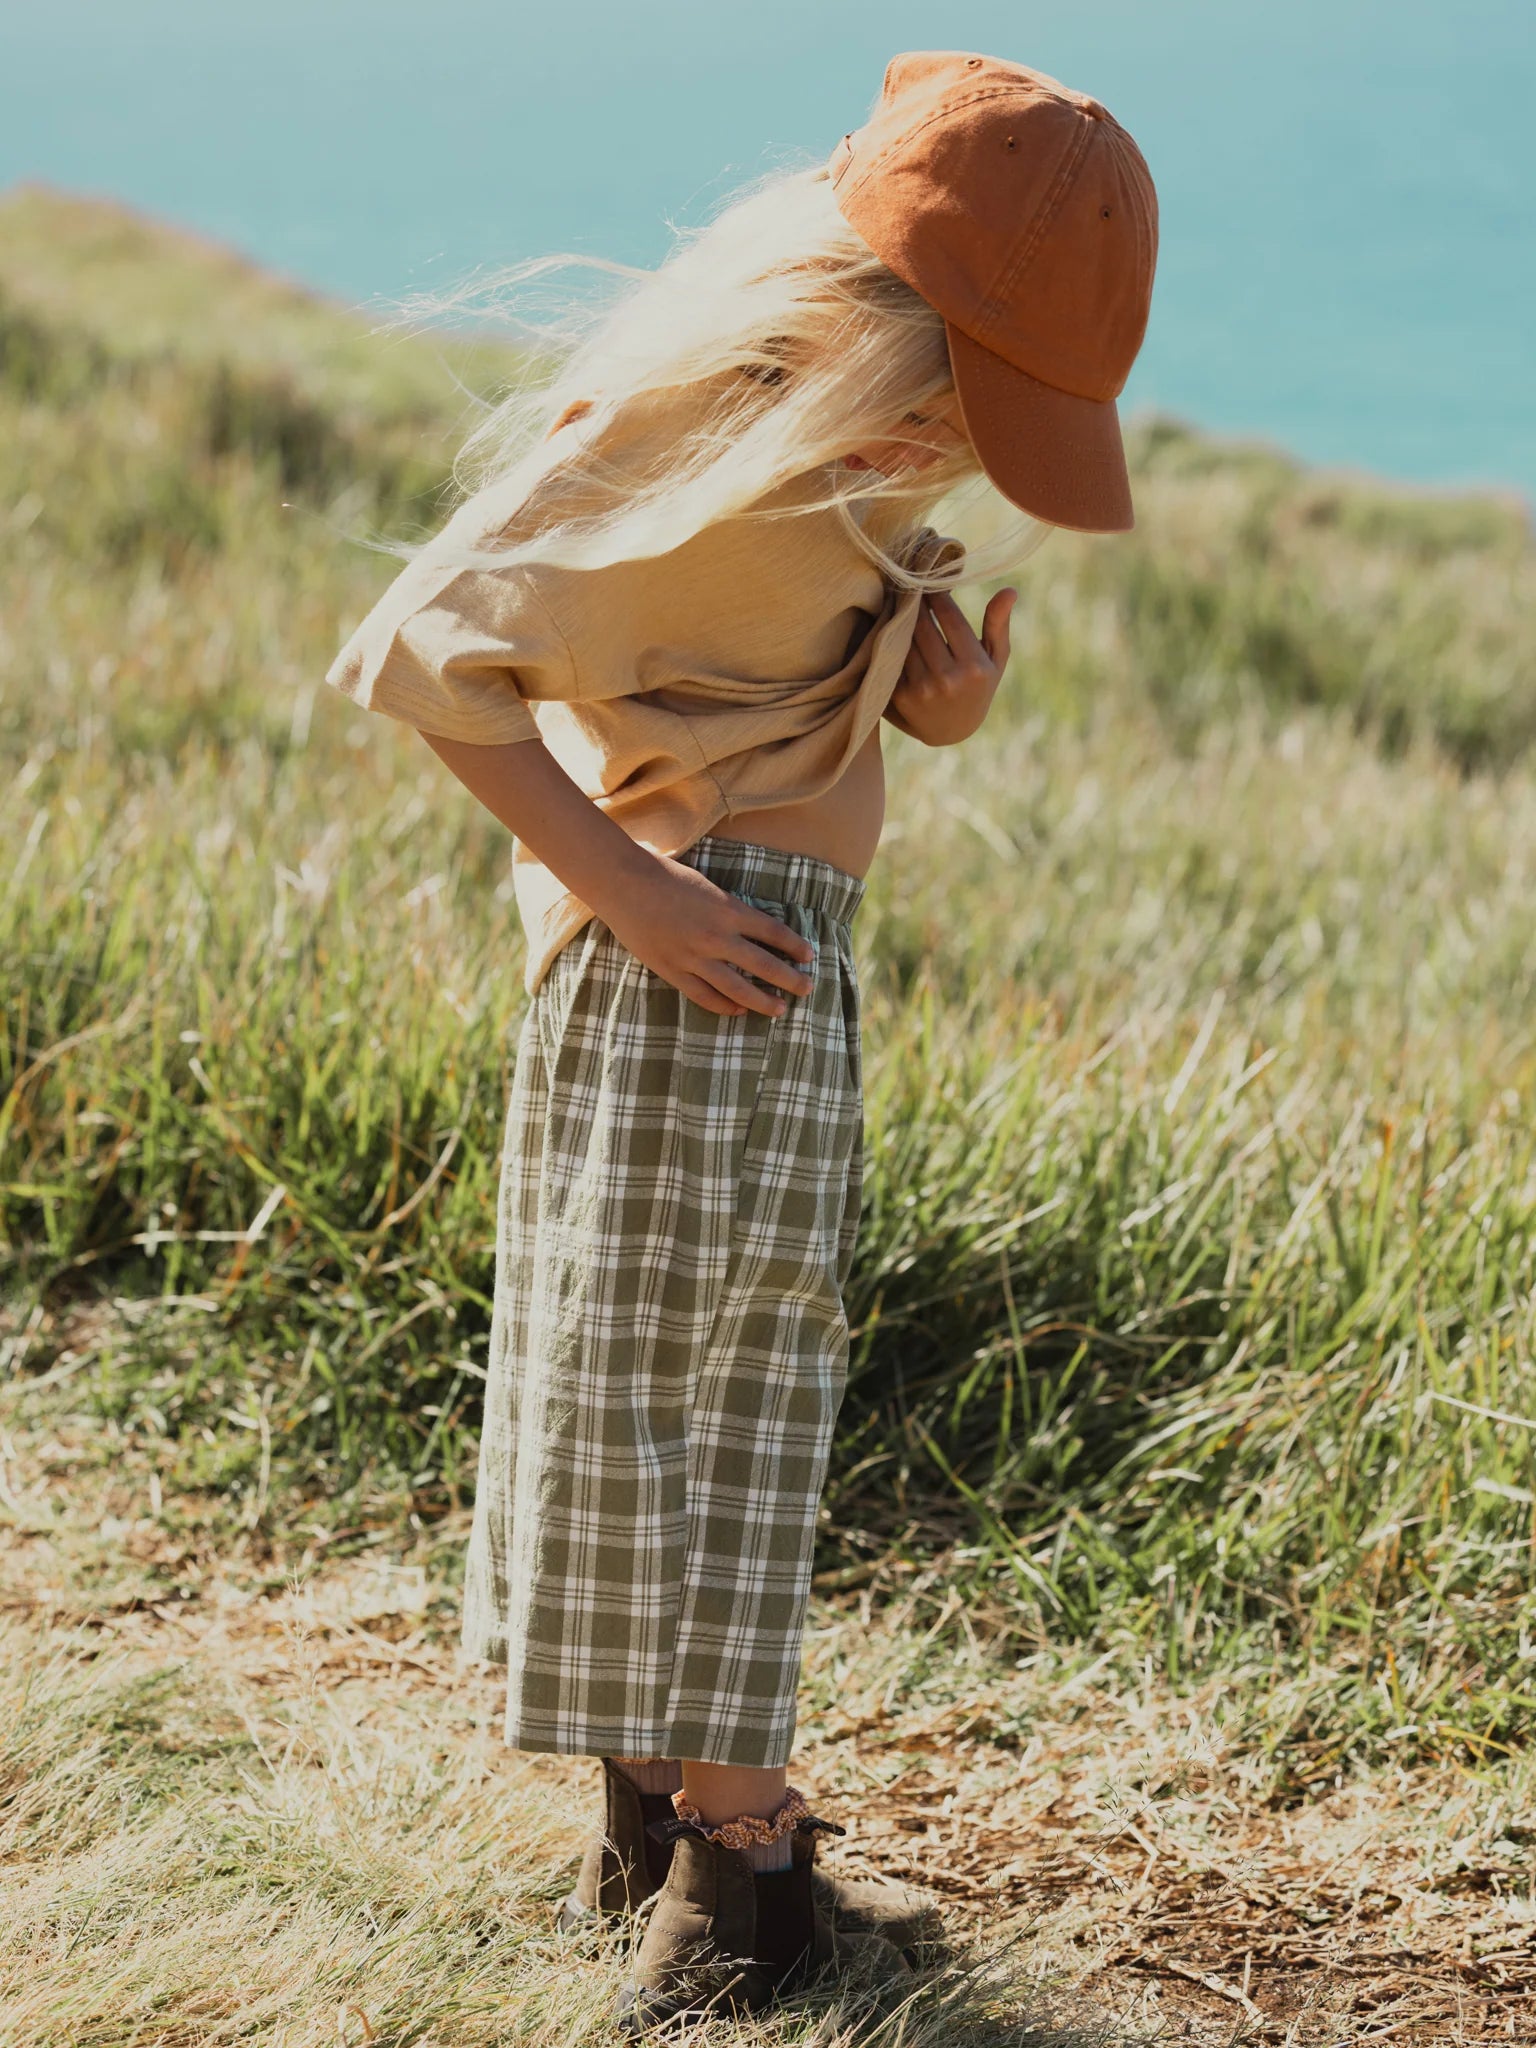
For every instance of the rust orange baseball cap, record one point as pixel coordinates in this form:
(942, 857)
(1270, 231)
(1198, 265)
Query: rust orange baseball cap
(1025, 215)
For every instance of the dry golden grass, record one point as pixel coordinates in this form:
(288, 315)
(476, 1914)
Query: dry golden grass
(248, 1793)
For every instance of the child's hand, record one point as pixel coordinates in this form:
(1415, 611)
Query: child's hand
(951, 676)
(707, 942)
(695, 934)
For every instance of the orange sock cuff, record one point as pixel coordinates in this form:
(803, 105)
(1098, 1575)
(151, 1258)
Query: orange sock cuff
(748, 1830)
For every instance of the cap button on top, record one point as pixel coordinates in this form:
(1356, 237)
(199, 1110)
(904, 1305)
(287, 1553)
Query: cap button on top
(1092, 109)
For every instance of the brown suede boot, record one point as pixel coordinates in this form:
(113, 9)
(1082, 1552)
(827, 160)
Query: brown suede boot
(908, 1919)
(723, 1938)
(625, 1864)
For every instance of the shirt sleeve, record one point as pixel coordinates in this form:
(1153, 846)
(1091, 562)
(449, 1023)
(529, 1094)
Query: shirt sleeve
(459, 653)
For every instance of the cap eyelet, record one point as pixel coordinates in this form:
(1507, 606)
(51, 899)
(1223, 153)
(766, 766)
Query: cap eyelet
(1105, 212)
(973, 63)
(1011, 143)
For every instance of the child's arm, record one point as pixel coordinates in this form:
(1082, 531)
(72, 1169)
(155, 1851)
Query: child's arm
(696, 935)
(951, 676)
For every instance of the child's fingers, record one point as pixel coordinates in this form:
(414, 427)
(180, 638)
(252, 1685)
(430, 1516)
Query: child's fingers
(737, 990)
(770, 967)
(966, 649)
(915, 672)
(771, 931)
(698, 990)
(930, 644)
(994, 626)
(955, 626)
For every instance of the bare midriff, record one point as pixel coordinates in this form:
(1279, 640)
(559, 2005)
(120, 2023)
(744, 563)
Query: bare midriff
(841, 826)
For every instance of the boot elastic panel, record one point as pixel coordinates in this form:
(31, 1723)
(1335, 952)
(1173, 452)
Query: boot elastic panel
(624, 1864)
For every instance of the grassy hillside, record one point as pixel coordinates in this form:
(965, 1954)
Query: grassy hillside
(1193, 1303)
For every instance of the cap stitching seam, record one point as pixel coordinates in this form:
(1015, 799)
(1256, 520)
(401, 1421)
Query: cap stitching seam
(1146, 234)
(907, 135)
(1046, 212)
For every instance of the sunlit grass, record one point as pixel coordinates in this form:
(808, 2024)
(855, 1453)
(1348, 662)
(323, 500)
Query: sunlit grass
(1193, 1301)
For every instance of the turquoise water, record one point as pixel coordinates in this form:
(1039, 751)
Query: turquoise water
(1348, 189)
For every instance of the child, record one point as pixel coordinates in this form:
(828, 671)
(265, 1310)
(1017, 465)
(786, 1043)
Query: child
(657, 641)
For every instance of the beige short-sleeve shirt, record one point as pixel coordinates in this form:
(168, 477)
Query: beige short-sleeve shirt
(744, 668)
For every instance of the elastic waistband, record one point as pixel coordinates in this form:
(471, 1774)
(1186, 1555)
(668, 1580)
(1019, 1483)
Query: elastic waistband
(747, 869)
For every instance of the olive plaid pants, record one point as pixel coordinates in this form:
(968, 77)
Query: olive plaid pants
(678, 1203)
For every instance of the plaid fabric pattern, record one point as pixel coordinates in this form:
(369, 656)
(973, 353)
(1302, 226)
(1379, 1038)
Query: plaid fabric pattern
(679, 1198)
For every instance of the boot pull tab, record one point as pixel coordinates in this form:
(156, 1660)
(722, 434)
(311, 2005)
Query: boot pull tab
(669, 1830)
(813, 1824)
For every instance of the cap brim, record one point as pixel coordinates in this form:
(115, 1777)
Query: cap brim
(1055, 456)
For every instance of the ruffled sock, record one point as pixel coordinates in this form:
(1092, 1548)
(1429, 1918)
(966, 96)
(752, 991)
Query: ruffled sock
(767, 1844)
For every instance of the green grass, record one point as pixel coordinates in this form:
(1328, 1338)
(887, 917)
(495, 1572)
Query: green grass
(1193, 1304)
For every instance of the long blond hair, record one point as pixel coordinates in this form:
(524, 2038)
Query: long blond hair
(770, 343)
